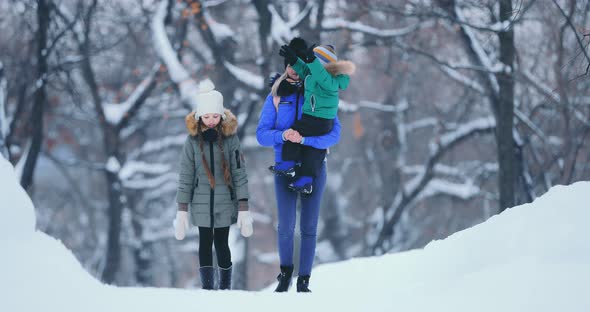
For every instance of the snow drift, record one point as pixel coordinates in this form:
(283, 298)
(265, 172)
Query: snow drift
(534, 257)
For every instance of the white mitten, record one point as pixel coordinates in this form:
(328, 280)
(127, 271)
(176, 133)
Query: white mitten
(180, 224)
(245, 223)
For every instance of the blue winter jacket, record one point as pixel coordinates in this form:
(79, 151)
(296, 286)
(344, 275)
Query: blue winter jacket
(272, 123)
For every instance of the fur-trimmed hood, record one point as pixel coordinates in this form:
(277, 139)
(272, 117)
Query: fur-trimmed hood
(229, 126)
(340, 67)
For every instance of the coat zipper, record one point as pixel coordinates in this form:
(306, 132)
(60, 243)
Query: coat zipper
(297, 106)
(212, 194)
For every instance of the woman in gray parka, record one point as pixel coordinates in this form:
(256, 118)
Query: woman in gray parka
(213, 185)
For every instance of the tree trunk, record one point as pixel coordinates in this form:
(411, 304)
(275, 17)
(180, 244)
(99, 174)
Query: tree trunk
(502, 101)
(43, 10)
(3, 120)
(115, 193)
(311, 33)
(505, 119)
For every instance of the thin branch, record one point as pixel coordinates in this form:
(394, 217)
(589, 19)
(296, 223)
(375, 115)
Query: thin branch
(178, 74)
(539, 86)
(427, 13)
(449, 69)
(338, 24)
(74, 183)
(578, 39)
(69, 26)
(297, 20)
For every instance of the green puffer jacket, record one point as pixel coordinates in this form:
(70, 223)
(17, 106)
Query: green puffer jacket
(212, 207)
(322, 83)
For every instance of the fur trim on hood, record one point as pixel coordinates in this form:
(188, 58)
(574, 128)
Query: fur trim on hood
(340, 67)
(229, 126)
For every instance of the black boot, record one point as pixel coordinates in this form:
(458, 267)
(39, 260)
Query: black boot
(207, 274)
(284, 279)
(303, 283)
(225, 278)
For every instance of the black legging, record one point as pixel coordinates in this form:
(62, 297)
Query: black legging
(312, 159)
(207, 236)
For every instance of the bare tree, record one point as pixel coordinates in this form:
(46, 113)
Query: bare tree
(43, 19)
(3, 120)
(112, 122)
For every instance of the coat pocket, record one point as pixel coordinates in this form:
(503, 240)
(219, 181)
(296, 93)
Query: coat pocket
(200, 208)
(201, 199)
(222, 195)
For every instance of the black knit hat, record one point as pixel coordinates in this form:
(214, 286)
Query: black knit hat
(299, 46)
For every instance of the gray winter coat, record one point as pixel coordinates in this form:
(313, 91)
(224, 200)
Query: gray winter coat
(212, 207)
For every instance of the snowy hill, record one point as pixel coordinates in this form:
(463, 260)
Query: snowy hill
(534, 257)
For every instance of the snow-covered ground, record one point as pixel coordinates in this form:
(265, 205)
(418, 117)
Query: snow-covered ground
(534, 257)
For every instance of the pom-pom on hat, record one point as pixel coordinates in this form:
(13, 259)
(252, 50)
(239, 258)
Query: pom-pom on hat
(325, 53)
(209, 100)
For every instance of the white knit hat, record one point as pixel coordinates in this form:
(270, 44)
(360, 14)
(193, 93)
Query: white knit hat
(209, 100)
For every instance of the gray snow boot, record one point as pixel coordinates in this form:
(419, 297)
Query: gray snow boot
(207, 274)
(225, 278)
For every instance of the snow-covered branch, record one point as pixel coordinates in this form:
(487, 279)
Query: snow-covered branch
(438, 169)
(451, 70)
(350, 107)
(445, 141)
(150, 183)
(415, 188)
(157, 146)
(20, 165)
(132, 168)
(280, 30)
(248, 78)
(179, 75)
(462, 79)
(438, 186)
(220, 31)
(543, 88)
(115, 113)
(293, 23)
(421, 123)
(414, 10)
(481, 54)
(529, 123)
(463, 191)
(583, 118)
(338, 23)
